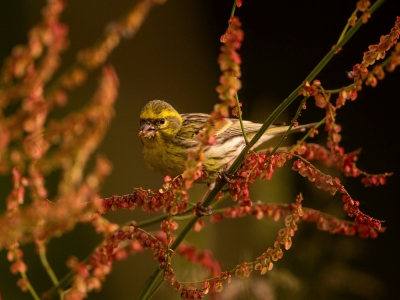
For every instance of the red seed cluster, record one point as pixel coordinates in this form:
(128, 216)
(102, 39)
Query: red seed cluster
(168, 225)
(194, 163)
(229, 61)
(321, 181)
(255, 165)
(150, 201)
(376, 52)
(264, 262)
(191, 293)
(90, 275)
(203, 258)
(323, 221)
(375, 180)
(349, 93)
(329, 224)
(243, 270)
(345, 162)
(314, 90)
(394, 59)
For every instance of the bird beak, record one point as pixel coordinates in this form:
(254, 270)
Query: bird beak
(147, 130)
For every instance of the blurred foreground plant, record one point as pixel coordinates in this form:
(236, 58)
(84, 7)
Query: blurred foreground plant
(32, 146)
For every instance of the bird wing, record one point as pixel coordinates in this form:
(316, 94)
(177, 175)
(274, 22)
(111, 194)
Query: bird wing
(251, 128)
(192, 124)
(228, 128)
(195, 122)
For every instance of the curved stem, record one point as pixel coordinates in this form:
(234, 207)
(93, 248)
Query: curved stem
(47, 267)
(29, 286)
(347, 26)
(240, 119)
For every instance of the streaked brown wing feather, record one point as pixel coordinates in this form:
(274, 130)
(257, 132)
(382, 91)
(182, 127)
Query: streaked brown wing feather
(224, 129)
(227, 128)
(192, 123)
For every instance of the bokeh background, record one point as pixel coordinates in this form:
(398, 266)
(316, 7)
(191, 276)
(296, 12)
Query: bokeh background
(173, 57)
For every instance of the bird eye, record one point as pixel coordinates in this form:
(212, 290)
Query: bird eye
(162, 121)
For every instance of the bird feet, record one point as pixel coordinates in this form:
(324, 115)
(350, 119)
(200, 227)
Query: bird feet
(202, 211)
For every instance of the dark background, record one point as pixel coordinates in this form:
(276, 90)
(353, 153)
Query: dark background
(173, 57)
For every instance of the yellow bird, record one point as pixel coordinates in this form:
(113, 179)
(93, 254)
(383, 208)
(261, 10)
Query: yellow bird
(168, 136)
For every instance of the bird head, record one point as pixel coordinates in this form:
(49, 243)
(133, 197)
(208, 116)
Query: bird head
(159, 120)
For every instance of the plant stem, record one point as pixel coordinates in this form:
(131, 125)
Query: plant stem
(29, 286)
(240, 119)
(46, 265)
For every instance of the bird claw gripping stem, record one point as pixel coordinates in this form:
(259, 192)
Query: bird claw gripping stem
(202, 211)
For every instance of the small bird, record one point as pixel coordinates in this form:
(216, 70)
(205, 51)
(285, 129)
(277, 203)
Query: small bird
(168, 136)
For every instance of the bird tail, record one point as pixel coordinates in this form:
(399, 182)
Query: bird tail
(277, 130)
